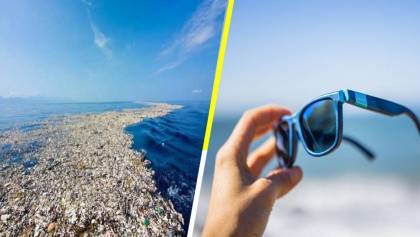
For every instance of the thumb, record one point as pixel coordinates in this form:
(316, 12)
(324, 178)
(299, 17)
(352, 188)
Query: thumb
(284, 180)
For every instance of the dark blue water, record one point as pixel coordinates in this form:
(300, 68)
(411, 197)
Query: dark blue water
(173, 144)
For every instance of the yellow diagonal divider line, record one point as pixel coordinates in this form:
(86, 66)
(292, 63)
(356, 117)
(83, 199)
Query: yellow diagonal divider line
(216, 83)
(218, 74)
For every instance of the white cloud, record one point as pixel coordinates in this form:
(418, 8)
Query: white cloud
(197, 91)
(169, 66)
(196, 32)
(101, 41)
(87, 2)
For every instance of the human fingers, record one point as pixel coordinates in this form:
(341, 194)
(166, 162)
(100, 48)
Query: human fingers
(252, 124)
(261, 156)
(284, 180)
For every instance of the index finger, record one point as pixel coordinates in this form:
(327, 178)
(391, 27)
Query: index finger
(254, 123)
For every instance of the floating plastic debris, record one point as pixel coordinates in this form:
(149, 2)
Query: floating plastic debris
(84, 179)
(146, 222)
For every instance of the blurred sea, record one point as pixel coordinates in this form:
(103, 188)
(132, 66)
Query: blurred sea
(343, 194)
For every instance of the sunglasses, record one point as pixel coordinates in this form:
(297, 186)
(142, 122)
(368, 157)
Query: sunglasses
(319, 125)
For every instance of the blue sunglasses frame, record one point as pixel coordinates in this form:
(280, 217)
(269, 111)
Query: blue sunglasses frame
(294, 133)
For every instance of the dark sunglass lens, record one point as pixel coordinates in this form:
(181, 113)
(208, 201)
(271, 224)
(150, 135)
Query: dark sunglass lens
(282, 143)
(319, 125)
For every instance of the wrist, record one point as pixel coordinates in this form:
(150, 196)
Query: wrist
(220, 225)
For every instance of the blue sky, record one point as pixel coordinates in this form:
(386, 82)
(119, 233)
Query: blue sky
(288, 52)
(110, 50)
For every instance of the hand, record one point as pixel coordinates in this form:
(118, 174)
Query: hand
(241, 201)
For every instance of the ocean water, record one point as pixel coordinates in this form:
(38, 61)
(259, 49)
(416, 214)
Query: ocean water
(343, 194)
(26, 112)
(173, 144)
(29, 114)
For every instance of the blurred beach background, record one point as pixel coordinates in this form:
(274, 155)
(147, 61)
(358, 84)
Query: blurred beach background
(290, 52)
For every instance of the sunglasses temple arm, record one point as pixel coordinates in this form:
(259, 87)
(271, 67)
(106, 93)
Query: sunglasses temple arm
(379, 105)
(368, 153)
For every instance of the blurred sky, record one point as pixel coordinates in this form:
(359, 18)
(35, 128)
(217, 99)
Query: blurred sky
(289, 52)
(109, 50)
